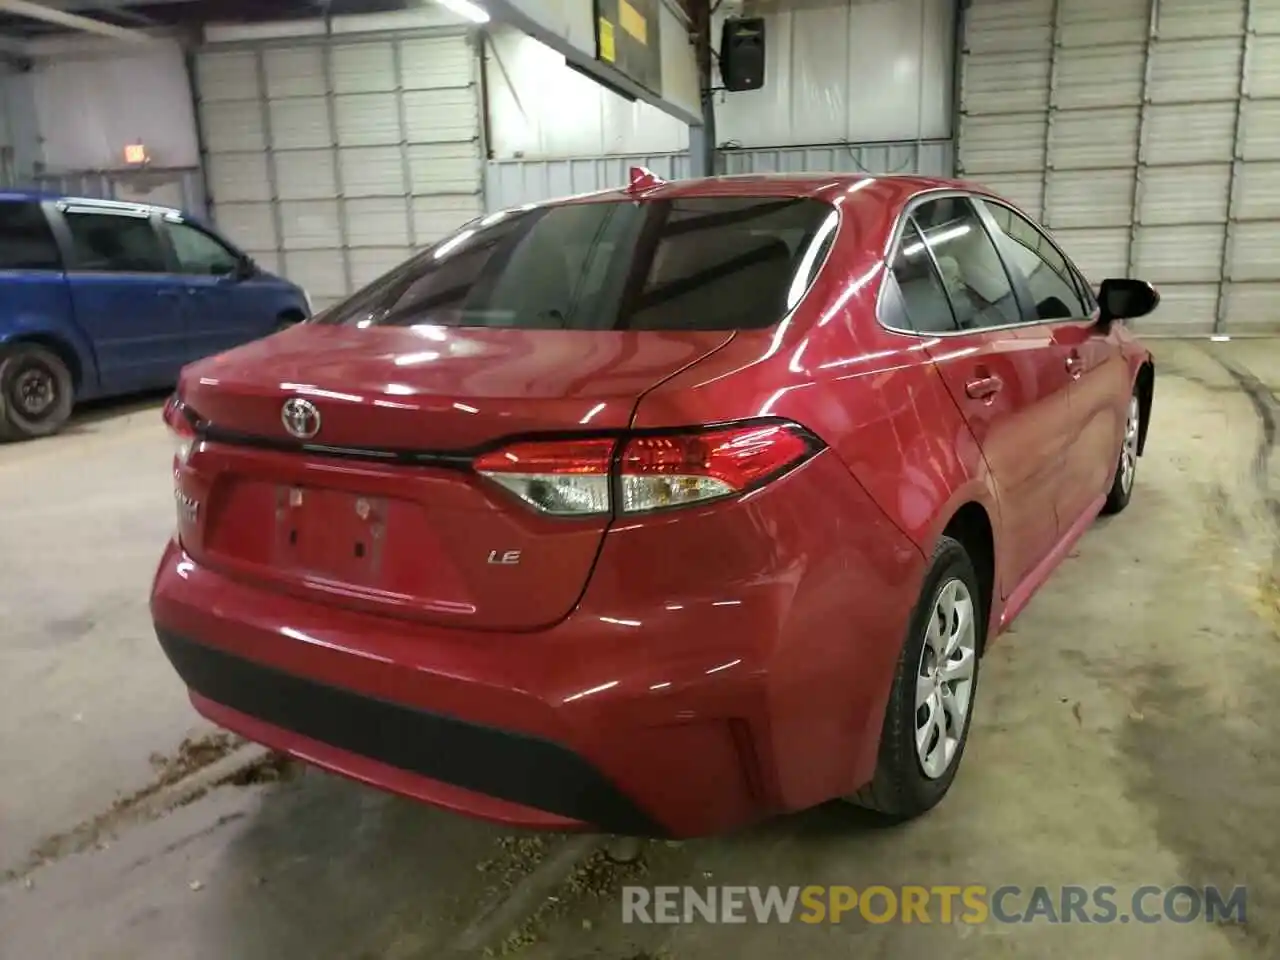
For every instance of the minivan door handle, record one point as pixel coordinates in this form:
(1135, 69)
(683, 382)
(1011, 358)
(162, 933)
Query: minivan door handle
(1075, 365)
(984, 388)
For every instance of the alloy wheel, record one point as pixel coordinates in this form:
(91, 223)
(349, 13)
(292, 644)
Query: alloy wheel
(34, 392)
(944, 680)
(1129, 450)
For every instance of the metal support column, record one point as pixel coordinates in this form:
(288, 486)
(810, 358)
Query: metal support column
(1140, 152)
(1051, 111)
(330, 99)
(1237, 161)
(273, 178)
(406, 161)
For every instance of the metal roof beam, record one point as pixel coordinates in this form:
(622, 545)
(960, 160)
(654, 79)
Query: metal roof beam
(73, 21)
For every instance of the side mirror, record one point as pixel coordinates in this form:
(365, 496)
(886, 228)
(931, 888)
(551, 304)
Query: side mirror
(1125, 299)
(245, 268)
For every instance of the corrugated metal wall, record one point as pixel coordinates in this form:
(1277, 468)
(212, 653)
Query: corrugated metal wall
(181, 188)
(1145, 133)
(929, 157)
(332, 160)
(839, 71)
(509, 183)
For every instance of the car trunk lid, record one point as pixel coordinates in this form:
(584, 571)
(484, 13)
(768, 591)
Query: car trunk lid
(379, 509)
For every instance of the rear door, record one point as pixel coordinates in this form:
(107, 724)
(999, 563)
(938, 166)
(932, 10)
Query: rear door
(221, 307)
(999, 376)
(1087, 359)
(126, 301)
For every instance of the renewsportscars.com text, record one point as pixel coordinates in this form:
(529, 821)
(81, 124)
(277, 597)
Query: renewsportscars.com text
(971, 904)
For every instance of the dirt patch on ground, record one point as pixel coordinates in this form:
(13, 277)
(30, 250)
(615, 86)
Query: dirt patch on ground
(192, 756)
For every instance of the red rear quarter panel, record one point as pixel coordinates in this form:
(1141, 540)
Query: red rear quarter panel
(875, 398)
(872, 395)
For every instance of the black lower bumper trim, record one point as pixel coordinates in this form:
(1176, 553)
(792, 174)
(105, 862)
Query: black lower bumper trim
(510, 766)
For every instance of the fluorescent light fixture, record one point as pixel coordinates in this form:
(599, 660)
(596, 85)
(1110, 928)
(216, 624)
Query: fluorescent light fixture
(465, 8)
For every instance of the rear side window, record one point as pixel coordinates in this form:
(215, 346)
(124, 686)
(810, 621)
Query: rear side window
(977, 285)
(691, 264)
(115, 243)
(1048, 276)
(26, 242)
(920, 293)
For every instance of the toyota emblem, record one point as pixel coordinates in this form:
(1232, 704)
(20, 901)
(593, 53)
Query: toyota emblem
(301, 418)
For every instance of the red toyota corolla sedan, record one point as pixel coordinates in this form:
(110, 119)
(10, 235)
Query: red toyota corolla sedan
(656, 511)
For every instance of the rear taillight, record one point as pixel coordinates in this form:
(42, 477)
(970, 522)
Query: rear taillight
(181, 429)
(652, 472)
(671, 471)
(566, 477)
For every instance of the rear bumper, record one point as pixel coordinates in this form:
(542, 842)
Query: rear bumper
(522, 770)
(679, 699)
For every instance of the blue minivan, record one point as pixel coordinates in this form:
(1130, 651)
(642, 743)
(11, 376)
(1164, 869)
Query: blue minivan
(101, 298)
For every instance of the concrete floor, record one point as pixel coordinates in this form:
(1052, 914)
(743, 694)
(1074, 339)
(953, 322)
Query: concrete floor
(1126, 733)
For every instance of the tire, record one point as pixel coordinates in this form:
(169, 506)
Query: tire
(36, 392)
(904, 787)
(1127, 466)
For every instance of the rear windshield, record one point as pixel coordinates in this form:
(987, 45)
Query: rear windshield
(694, 264)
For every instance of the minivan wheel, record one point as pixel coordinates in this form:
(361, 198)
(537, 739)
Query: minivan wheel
(1127, 468)
(36, 392)
(926, 723)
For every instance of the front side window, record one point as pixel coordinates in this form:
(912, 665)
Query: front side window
(715, 263)
(1048, 275)
(26, 242)
(977, 285)
(115, 243)
(199, 253)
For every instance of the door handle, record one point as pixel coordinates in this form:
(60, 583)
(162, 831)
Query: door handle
(984, 388)
(167, 293)
(1075, 366)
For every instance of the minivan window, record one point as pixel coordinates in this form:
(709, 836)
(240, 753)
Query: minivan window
(199, 253)
(707, 263)
(115, 243)
(26, 242)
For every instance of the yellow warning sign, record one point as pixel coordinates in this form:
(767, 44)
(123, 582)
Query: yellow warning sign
(607, 49)
(633, 22)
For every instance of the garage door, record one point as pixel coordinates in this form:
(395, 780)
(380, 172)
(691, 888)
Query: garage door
(332, 161)
(1146, 134)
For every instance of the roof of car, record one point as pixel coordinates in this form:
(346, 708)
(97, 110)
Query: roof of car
(38, 196)
(888, 188)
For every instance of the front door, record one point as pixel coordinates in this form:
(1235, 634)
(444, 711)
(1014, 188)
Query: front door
(124, 298)
(222, 308)
(1001, 379)
(1085, 358)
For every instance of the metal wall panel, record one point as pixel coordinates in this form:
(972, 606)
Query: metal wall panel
(513, 182)
(1259, 192)
(929, 157)
(1148, 130)
(1090, 198)
(1251, 307)
(510, 183)
(335, 159)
